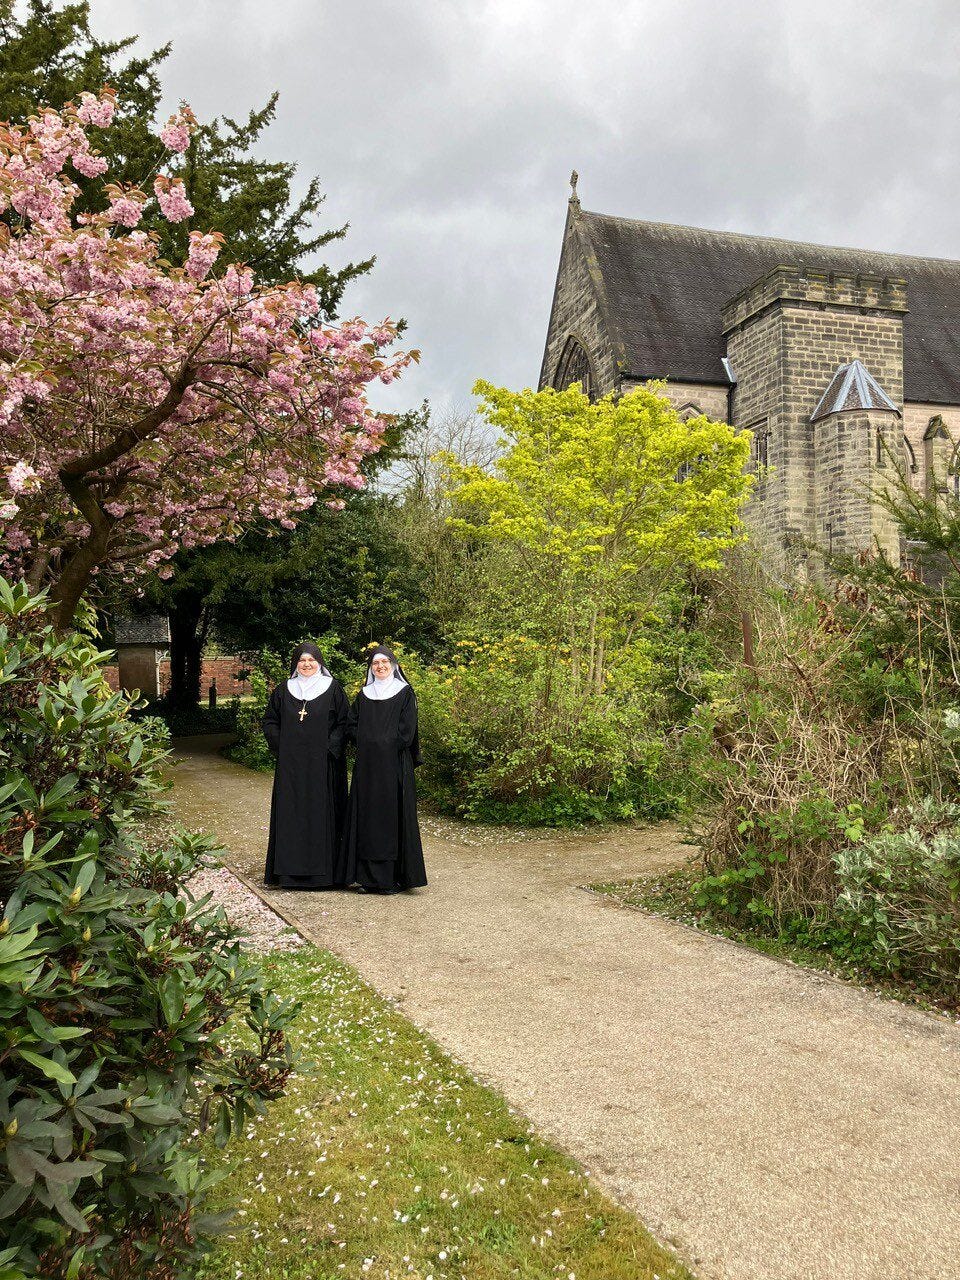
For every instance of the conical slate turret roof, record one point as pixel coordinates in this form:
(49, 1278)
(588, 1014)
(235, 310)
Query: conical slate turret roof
(852, 387)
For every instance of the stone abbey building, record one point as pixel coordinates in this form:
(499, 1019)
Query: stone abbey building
(839, 361)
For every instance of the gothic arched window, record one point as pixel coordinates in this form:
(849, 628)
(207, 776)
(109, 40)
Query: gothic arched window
(574, 366)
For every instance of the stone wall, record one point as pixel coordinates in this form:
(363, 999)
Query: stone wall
(754, 352)
(577, 313)
(711, 400)
(786, 337)
(851, 463)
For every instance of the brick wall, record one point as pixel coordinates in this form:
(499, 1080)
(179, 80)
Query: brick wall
(223, 670)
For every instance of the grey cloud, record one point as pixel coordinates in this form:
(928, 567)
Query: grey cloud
(444, 133)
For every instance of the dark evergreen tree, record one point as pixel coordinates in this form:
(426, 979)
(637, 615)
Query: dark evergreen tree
(912, 608)
(338, 571)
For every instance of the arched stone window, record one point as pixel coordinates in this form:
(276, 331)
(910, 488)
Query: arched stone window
(941, 465)
(685, 412)
(574, 366)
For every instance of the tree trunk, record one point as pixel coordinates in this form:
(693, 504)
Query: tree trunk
(75, 578)
(39, 566)
(187, 635)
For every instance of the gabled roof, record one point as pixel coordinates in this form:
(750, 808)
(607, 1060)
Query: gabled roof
(666, 285)
(852, 387)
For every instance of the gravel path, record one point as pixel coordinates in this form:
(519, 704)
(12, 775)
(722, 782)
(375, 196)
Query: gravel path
(770, 1123)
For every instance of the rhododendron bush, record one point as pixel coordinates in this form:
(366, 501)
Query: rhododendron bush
(146, 406)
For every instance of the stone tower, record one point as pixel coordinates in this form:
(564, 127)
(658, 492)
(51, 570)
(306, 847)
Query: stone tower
(818, 362)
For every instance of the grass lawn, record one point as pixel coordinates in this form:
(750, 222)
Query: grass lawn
(387, 1160)
(670, 894)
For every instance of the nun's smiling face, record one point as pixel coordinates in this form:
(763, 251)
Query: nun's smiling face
(307, 666)
(381, 667)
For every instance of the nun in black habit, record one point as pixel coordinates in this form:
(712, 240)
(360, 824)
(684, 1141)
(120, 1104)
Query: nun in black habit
(305, 725)
(382, 848)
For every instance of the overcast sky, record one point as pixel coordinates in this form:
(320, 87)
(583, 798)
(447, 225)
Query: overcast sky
(445, 134)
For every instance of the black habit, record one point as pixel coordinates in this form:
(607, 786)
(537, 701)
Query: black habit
(309, 787)
(382, 848)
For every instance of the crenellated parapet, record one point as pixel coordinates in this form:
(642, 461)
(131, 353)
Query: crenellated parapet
(808, 287)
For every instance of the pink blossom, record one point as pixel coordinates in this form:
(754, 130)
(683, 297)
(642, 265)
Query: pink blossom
(90, 166)
(238, 280)
(125, 211)
(202, 254)
(176, 134)
(281, 380)
(21, 477)
(175, 137)
(172, 196)
(96, 111)
(94, 330)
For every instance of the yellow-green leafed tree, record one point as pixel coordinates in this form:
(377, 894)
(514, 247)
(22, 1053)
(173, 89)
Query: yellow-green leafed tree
(603, 504)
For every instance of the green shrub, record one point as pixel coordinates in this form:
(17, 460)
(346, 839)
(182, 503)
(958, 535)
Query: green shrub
(118, 992)
(900, 892)
(251, 747)
(791, 765)
(507, 736)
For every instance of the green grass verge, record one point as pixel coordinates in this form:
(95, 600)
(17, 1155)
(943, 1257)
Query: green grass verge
(386, 1160)
(671, 894)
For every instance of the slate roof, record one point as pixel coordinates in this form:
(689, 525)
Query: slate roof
(149, 628)
(666, 285)
(852, 387)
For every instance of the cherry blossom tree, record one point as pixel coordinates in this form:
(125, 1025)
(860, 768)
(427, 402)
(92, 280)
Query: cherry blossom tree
(145, 406)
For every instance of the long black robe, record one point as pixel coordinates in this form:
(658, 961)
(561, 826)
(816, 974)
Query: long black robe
(382, 848)
(309, 787)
